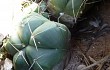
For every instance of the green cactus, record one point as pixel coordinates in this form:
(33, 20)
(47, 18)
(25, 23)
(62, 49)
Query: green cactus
(28, 7)
(38, 44)
(20, 62)
(73, 8)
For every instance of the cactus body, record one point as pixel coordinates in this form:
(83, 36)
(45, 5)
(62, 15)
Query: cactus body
(70, 8)
(39, 43)
(20, 62)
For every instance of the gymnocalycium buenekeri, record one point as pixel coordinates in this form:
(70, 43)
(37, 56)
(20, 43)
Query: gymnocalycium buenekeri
(69, 8)
(38, 43)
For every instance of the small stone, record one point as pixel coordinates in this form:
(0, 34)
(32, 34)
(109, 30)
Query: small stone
(81, 66)
(7, 64)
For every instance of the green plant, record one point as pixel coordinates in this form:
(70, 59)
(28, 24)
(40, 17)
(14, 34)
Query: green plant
(69, 8)
(30, 6)
(38, 43)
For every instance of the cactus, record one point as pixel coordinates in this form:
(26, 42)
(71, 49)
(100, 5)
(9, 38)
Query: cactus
(72, 8)
(38, 43)
(30, 6)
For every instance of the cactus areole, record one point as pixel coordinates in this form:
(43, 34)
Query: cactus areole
(38, 44)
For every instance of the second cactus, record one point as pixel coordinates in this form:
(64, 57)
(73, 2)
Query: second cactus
(73, 8)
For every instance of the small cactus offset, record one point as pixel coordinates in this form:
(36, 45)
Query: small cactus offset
(72, 8)
(38, 44)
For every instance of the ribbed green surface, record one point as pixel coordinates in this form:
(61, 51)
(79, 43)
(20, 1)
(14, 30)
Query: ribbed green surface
(20, 62)
(39, 43)
(70, 7)
(13, 44)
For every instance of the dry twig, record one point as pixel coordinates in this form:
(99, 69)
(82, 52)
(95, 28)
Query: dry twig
(98, 62)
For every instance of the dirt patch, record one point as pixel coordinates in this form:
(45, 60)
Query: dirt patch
(98, 47)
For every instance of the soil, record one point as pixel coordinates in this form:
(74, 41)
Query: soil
(89, 48)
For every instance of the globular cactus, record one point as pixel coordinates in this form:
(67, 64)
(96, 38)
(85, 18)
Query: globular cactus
(70, 8)
(38, 43)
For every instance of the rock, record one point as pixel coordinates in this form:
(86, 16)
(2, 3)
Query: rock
(7, 65)
(81, 66)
